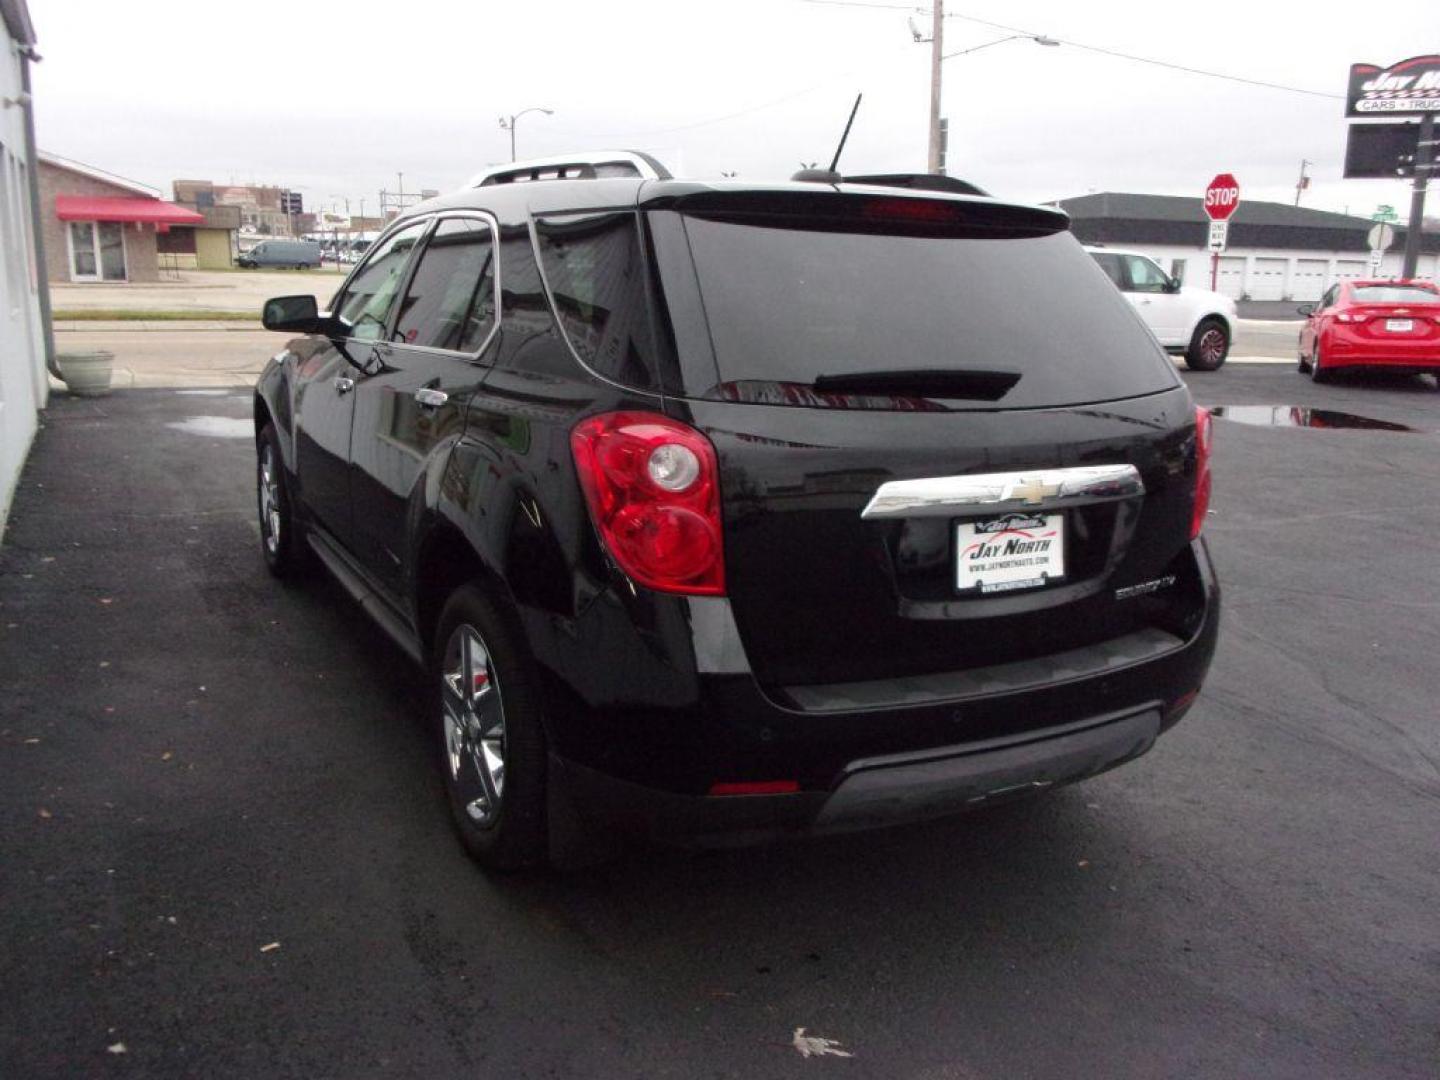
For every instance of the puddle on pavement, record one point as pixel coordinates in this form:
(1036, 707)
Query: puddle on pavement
(1298, 416)
(216, 427)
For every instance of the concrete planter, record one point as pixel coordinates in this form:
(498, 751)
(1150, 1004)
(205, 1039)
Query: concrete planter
(87, 373)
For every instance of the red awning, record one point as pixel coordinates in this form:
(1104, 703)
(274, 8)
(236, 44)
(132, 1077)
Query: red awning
(110, 208)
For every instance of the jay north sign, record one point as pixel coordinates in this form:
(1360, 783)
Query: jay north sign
(1410, 86)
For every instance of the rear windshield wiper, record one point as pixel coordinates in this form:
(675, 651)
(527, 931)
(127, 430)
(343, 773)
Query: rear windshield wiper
(974, 384)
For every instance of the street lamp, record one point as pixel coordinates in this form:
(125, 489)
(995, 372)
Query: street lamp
(508, 123)
(936, 57)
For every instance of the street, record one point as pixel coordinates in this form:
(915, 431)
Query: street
(228, 853)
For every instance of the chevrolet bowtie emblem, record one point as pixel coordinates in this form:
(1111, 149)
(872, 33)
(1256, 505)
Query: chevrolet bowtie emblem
(1032, 491)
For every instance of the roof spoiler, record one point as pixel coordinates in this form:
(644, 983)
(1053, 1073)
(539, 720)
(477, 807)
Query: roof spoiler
(600, 164)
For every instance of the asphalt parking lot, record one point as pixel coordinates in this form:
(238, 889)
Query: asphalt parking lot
(226, 850)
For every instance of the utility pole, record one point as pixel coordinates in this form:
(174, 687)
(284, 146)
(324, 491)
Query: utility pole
(1303, 182)
(1424, 164)
(937, 48)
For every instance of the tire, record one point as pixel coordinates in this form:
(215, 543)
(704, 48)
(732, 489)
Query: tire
(1209, 346)
(492, 742)
(281, 543)
(1317, 374)
(1304, 365)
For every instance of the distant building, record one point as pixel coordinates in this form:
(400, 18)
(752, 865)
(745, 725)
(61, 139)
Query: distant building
(24, 303)
(1275, 251)
(261, 206)
(102, 227)
(210, 246)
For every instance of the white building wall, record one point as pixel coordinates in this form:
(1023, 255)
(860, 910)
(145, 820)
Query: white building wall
(24, 386)
(1298, 281)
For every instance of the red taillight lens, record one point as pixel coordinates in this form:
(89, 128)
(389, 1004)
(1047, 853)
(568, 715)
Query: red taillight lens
(653, 488)
(1351, 316)
(1202, 470)
(756, 787)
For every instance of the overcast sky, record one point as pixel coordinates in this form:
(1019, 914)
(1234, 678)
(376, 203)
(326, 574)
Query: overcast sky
(336, 98)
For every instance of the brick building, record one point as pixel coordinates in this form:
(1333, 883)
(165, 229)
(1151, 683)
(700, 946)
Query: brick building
(101, 227)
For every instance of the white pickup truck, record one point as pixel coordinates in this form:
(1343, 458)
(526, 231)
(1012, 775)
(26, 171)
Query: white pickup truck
(1195, 323)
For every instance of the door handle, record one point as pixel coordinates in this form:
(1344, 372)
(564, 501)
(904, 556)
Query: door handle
(430, 398)
(344, 384)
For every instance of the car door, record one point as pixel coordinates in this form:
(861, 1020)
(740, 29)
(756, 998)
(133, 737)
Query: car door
(1311, 329)
(412, 406)
(1162, 307)
(326, 381)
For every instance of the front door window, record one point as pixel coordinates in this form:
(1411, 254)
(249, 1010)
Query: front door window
(97, 251)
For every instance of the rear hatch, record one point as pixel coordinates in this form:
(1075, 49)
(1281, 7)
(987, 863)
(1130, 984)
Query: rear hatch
(832, 343)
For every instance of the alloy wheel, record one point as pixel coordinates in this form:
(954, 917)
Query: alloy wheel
(1212, 346)
(269, 500)
(474, 717)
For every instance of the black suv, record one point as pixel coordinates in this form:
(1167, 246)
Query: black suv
(725, 510)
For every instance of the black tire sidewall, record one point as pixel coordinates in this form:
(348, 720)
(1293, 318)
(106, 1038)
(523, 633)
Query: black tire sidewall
(517, 838)
(1193, 359)
(287, 560)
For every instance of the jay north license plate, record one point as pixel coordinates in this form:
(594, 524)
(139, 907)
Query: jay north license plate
(1009, 551)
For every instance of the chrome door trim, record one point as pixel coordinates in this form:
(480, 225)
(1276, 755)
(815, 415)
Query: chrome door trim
(945, 496)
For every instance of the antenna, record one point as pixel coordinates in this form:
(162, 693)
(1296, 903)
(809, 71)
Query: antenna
(840, 149)
(829, 176)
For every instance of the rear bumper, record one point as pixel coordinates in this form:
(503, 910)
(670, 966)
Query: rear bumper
(872, 793)
(1346, 352)
(860, 764)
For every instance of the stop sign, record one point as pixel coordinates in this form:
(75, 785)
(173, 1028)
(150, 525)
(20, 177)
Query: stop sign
(1222, 197)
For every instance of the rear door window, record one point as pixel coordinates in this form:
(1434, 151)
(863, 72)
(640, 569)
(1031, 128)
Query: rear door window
(450, 303)
(370, 295)
(1030, 321)
(595, 273)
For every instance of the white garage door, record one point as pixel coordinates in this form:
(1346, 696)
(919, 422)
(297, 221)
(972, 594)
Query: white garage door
(1350, 269)
(1232, 275)
(1309, 280)
(1267, 279)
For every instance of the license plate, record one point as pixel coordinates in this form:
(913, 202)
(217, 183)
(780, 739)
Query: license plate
(1399, 326)
(1009, 551)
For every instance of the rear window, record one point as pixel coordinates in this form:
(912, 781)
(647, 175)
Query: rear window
(1001, 321)
(1394, 294)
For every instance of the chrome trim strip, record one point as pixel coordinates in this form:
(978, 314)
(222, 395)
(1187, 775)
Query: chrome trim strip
(944, 496)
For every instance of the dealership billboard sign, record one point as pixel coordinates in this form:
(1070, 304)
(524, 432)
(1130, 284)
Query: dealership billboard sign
(1409, 87)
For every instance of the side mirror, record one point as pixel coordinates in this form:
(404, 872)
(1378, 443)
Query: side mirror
(1306, 309)
(1172, 286)
(297, 314)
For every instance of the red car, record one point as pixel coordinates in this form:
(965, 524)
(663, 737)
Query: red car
(1386, 325)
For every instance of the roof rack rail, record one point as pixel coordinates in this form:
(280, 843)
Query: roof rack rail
(591, 165)
(920, 182)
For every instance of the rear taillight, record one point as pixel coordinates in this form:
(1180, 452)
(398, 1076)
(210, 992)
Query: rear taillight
(1202, 470)
(1351, 316)
(653, 488)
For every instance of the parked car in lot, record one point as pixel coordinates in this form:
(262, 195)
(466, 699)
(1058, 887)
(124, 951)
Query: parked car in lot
(1381, 325)
(729, 510)
(300, 254)
(1195, 323)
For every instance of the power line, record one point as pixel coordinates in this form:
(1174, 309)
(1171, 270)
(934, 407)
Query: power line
(1087, 48)
(1147, 60)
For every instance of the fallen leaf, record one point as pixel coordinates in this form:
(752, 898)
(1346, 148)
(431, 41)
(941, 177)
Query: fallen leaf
(271, 947)
(166, 756)
(45, 813)
(814, 1046)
